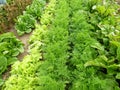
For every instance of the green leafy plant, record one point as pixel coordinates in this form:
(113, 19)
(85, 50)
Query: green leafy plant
(94, 57)
(76, 46)
(10, 48)
(25, 24)
(10, 11)
(27, 69)
(36, 8)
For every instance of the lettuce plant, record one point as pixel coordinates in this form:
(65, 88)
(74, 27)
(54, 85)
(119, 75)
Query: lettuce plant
(25, 24)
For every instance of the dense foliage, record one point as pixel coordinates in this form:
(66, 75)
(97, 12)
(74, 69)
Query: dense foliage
(10, 47)
(52, 72)
(91, 46)
(75, 46)
(10, 11)
(26, 22)
(23, 74)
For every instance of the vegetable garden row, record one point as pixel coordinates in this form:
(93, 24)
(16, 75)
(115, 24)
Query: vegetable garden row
(75, 45)
(10, 11)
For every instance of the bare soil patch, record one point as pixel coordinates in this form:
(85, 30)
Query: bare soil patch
(24, 39)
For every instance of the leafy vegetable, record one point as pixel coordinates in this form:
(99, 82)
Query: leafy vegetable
(3, 64)
(25, 24)
(75, 46)
(36, 8)
(10, 47)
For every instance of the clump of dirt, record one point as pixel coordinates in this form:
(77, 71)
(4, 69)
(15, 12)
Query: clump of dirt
(118, 1)
(6, 74)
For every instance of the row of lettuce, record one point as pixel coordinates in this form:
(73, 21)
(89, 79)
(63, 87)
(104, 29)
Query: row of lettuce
(10, 46)
(10, 11)
(26, 23)
(75, 46)
(24, 75)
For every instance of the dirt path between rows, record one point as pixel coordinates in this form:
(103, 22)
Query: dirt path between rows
(24, 39)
